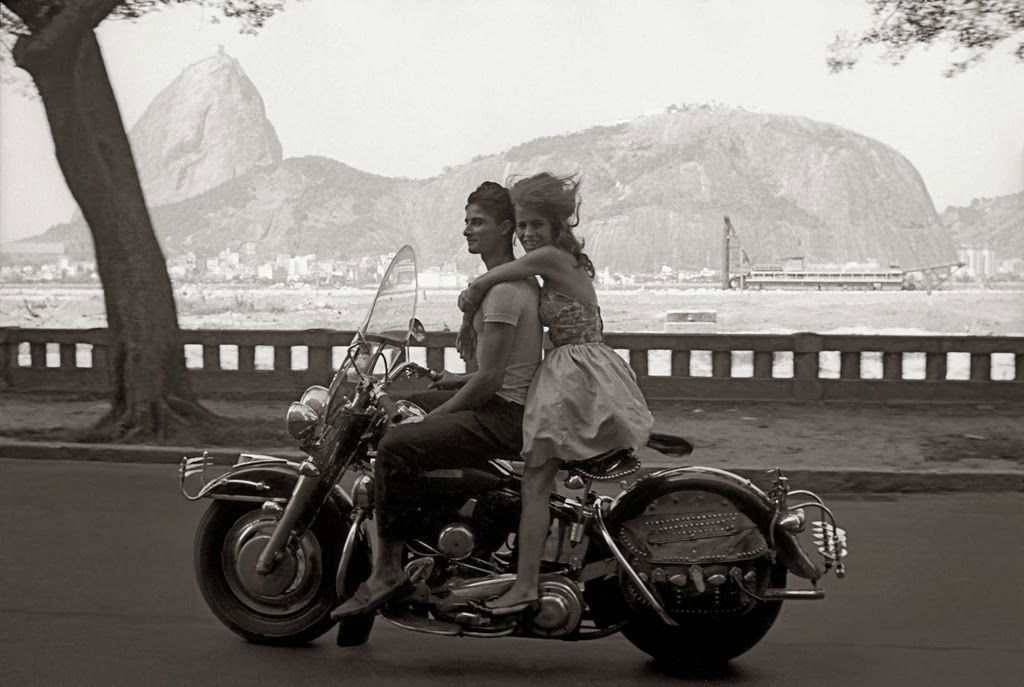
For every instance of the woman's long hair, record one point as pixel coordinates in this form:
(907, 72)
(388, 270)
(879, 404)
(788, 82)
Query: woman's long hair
(556, 200)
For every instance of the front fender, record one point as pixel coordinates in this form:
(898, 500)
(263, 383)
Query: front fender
(252, 478)
(747, 498)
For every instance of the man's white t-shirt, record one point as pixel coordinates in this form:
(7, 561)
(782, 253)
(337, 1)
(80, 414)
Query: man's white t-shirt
(514, 303)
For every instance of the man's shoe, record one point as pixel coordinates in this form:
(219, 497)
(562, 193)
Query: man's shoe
(362, 602)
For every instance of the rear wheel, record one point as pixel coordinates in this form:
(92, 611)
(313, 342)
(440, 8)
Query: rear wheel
(291, 605)
(706, 640)
(700, 640)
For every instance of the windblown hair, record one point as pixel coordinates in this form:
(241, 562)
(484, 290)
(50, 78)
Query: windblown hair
(556, 200)
(495, 200)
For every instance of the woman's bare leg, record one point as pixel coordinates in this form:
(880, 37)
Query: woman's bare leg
(534, 524)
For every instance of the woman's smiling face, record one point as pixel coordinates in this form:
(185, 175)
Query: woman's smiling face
(533, 229)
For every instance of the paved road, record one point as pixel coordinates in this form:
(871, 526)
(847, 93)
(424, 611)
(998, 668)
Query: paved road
(97, 589)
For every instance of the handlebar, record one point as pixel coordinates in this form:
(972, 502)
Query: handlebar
(408, 369)
(411, 369)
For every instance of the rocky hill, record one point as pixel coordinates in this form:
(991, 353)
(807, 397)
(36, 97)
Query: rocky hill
(654, 188)
(207, 127)
(996, 223)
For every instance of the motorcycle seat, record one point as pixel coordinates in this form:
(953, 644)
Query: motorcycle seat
(605, 466)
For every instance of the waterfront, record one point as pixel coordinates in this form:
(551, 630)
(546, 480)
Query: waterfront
(976, 312)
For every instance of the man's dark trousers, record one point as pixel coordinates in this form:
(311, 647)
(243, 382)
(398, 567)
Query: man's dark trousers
(466, 438)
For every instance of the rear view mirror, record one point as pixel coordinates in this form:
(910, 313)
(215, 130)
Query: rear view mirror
(417, 332)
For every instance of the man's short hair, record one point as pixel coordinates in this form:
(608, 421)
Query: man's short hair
(494, 199)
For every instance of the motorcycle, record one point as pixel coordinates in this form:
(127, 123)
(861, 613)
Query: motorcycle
(690, 564)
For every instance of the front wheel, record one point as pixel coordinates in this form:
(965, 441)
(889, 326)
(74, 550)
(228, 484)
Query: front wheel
(289, 606)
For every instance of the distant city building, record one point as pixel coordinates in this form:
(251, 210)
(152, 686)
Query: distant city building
(1012, 266)
(298, 265)
(978, 262)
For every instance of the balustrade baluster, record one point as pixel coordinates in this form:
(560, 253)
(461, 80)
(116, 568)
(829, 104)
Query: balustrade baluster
(721, 363)
(318, 362)
(211, 357)
(283, 358)
(935, 366)
(6, 358)
(981, 366)
(246, 358)
(806, 385)
(638, 361)
(67, 355)
(763, 363)
(892, 365)
(680, 363)
(37, 352)
(849, 365)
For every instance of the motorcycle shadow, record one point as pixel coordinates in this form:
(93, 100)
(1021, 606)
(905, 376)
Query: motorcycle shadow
(705, 673)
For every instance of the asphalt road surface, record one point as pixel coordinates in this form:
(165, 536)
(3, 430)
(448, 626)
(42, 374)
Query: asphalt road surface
(97, 589)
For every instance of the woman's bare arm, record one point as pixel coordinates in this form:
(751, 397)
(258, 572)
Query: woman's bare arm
(543, 262)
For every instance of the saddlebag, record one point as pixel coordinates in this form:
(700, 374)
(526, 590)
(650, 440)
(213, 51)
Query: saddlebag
(692, 527)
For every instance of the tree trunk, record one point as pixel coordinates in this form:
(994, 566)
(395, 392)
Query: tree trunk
(151, 395)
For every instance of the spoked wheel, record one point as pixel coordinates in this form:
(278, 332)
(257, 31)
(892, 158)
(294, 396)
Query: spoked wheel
(289, 606)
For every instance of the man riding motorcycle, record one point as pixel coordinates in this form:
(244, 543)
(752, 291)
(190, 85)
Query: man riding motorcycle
(475, 416)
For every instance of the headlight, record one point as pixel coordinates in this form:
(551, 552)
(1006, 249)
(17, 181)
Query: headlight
(301, 419)
(315, 397)
(408, 413)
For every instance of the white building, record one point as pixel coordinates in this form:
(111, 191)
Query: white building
(978, 262)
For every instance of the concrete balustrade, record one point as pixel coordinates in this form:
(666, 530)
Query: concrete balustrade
(670, 366)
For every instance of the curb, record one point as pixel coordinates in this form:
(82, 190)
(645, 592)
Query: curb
(834, 481)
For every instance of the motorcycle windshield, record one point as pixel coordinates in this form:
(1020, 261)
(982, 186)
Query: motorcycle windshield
(394, 306)
(389, 317)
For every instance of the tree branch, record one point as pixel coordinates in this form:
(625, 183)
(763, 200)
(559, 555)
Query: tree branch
(60, 34)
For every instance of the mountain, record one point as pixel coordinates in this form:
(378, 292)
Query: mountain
(654, 189)
(996, 223)
(207, 127)
(298, 206)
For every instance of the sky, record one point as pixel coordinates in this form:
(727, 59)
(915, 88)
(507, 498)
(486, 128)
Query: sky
(408, 87)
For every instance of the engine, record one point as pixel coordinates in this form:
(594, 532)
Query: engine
(456, 541)
(559, 611)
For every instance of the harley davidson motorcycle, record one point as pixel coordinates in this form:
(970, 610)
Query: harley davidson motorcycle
(690, 564)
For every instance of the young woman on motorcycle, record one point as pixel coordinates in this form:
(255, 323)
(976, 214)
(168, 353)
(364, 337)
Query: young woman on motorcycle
(584, 399)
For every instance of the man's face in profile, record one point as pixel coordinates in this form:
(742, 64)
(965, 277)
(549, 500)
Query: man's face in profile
(483, 233)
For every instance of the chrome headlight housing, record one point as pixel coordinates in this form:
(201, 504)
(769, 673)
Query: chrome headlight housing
(301, 420)
(315, 397)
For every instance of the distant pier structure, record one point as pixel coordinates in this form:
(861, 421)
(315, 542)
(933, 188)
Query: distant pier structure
(739, 272)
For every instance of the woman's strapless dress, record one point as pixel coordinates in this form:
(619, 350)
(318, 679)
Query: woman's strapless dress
(584, 399)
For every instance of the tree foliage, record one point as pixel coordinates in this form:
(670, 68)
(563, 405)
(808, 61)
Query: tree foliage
(972, 27)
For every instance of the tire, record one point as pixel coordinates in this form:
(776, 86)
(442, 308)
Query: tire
(297, 614)
(703, 641)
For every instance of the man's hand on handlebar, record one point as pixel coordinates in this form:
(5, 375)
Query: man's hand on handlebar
(450, 380)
